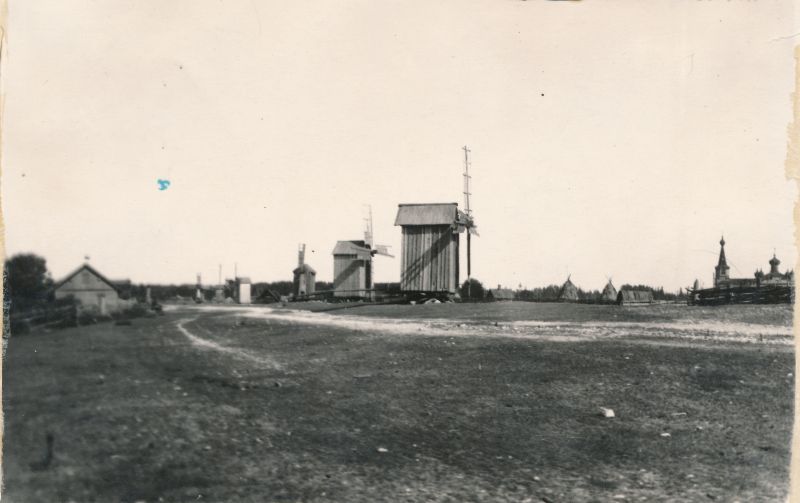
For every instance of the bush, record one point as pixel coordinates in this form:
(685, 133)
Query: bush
(472, 290)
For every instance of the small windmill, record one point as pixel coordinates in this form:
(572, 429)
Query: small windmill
(353, 263)
(466, 221)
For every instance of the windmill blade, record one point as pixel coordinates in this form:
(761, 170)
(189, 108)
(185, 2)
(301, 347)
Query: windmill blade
(474, 231)
(382, 250)
(368, 236)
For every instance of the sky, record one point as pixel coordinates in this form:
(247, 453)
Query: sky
(609, 138)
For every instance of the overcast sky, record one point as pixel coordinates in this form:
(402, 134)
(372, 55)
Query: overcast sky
(608, 138)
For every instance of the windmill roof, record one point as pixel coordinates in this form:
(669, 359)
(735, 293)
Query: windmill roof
(304, 268)
(428, 214)
(359, 248)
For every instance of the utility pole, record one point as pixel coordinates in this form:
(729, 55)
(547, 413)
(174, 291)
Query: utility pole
(469, 216)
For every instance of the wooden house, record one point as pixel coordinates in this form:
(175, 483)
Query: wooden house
(93, 291)
(430, 247)
(499, 293)
(634, 297)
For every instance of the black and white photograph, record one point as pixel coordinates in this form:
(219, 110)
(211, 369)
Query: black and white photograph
(445, 251)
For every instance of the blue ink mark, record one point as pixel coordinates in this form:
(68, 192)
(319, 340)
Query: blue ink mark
(163, 184)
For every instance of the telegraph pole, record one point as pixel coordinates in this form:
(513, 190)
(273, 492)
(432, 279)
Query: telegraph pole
(469, 216)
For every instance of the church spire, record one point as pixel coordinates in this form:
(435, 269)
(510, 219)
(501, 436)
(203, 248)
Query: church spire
(721, 271)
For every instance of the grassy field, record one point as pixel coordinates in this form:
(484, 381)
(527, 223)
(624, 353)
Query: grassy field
(256, 405)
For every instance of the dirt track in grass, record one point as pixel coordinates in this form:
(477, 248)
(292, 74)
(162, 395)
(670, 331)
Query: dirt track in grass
(267, 408)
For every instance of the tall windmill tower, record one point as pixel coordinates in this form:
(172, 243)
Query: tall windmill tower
(469, 222)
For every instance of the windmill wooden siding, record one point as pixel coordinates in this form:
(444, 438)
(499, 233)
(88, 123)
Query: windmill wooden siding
(430, 247)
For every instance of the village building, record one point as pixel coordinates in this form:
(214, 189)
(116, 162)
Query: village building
(429, 261)
(500, 294)
(634, 297)
(94, 292)
(241, 290)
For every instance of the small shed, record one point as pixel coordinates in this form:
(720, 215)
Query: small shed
(242, 290)
(95, 292)
(569, 292)
(634, 297)
(352, 270)
(500, 294)
(305, 277)
(430, 247)
(609, 294)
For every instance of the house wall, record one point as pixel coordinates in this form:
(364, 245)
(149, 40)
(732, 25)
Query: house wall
(429, 259)
(349, 276)
(93, 293)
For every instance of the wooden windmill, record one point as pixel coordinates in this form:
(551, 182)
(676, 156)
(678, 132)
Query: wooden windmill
(353, 270)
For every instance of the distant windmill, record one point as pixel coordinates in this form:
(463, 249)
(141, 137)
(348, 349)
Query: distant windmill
(353, 269)
(468, 222)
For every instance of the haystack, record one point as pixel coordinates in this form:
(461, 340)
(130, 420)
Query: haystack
(609, 293)
(569, 292)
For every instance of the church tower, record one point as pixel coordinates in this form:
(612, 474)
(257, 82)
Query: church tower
(721, 271)
(773, 265)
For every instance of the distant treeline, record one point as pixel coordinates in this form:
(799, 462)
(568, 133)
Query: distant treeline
(550, 293)
(260, 291)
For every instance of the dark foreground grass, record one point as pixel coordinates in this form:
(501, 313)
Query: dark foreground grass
(139, 414)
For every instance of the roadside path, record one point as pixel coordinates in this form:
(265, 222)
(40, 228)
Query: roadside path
(213, 346)
(676, 333)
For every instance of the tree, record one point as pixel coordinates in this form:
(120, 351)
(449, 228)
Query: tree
(28, 282)
(474, 292)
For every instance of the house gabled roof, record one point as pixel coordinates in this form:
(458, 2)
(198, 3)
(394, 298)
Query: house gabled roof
(428, 214)
(112, 284)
